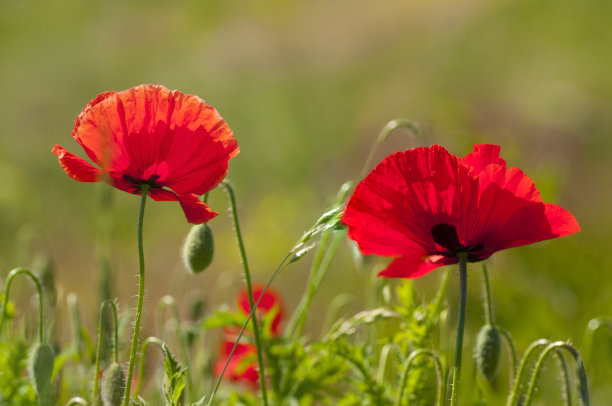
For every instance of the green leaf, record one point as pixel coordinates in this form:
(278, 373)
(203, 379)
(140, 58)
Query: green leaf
(175, 373)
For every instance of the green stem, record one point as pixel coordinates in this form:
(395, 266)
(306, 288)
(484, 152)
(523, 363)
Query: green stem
(141, 364)
(460, 326)
(7, 291)
(522, 367)
(514, 359)
(382, 136)
(94, 395)
(247, 278)
(487, 296)
(565, 379)
(554, 347)
(320, 266)
(141, 290)
(408, 364)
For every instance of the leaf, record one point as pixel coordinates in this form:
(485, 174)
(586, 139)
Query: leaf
(224, 318)
(175, 373)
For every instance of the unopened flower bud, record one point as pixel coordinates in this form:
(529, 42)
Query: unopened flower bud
(199, 248)
(113, 385)
(40, 367)
(488, 350)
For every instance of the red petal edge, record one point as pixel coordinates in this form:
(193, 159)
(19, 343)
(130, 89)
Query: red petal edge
(195, 210)
(76, 167)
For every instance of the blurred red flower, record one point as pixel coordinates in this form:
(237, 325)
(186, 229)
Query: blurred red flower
(424, 206)
(175, 143)
(243, 364)
(271, 301)
(242, 367)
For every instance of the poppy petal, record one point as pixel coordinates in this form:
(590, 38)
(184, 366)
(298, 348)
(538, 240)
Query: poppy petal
(195, 210)
(76, 167)
(415, 265)
(481, 156)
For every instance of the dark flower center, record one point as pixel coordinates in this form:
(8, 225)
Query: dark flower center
(138, 182)
(446, 236)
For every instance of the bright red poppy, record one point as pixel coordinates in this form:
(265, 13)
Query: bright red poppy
(175, 143)
(271, 301)
(424, 206)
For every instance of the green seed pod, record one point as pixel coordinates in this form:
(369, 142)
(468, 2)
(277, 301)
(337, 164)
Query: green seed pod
(488, 351)
(113, 385)
(40, 367)
(199, 248)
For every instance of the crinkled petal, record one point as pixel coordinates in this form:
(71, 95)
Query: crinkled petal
(415, 265)
(195, 210)
(481, 156)
(77, 168)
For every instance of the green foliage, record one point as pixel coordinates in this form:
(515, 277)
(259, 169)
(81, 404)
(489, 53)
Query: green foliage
(175, 374)
(15, 388)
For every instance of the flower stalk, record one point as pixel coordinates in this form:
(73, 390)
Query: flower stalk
(7, 291)
(247, 278)
(141, 281)
(462, 256)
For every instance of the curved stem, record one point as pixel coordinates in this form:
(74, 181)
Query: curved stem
(556, 346)
(246, 323)
(382, 136)
(589, 335)
(460, 326)
(565, 379)
(77, 401)
(487, 296)
(7, 291)
(247, 278)
(141, 290)
(382, 363)
(94, 395)
(521, 371)
(141, 363)
(408, 365)
(513, 356)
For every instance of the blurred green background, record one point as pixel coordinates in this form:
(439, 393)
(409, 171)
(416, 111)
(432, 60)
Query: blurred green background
(306, 86)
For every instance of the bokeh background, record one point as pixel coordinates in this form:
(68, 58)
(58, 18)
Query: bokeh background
(306, 86)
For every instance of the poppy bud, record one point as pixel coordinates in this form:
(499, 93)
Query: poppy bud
(40, 367)
(488, 351)
(199, 248)
(113, 385)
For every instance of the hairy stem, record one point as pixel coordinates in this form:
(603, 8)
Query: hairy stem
(460, 326)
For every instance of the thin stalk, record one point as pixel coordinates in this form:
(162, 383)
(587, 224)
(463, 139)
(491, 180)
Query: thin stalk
(141, 281)
(566, 385)
(522, 367)
(7, 291)
(320, 268)
(94, 395)
(554, 347)
(460, 326)
(514, 358)
(382, 363)
(141, 364)
(408, 364)
(382, 136)
(487, 296)
(247, 278)
(246, 323)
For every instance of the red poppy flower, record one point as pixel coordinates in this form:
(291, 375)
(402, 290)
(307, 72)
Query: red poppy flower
(175, 143)
(242, 367)
(424, 206)
(271, 301)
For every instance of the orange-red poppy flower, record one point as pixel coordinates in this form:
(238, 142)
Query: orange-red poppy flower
(424, 206)
(148, 135)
